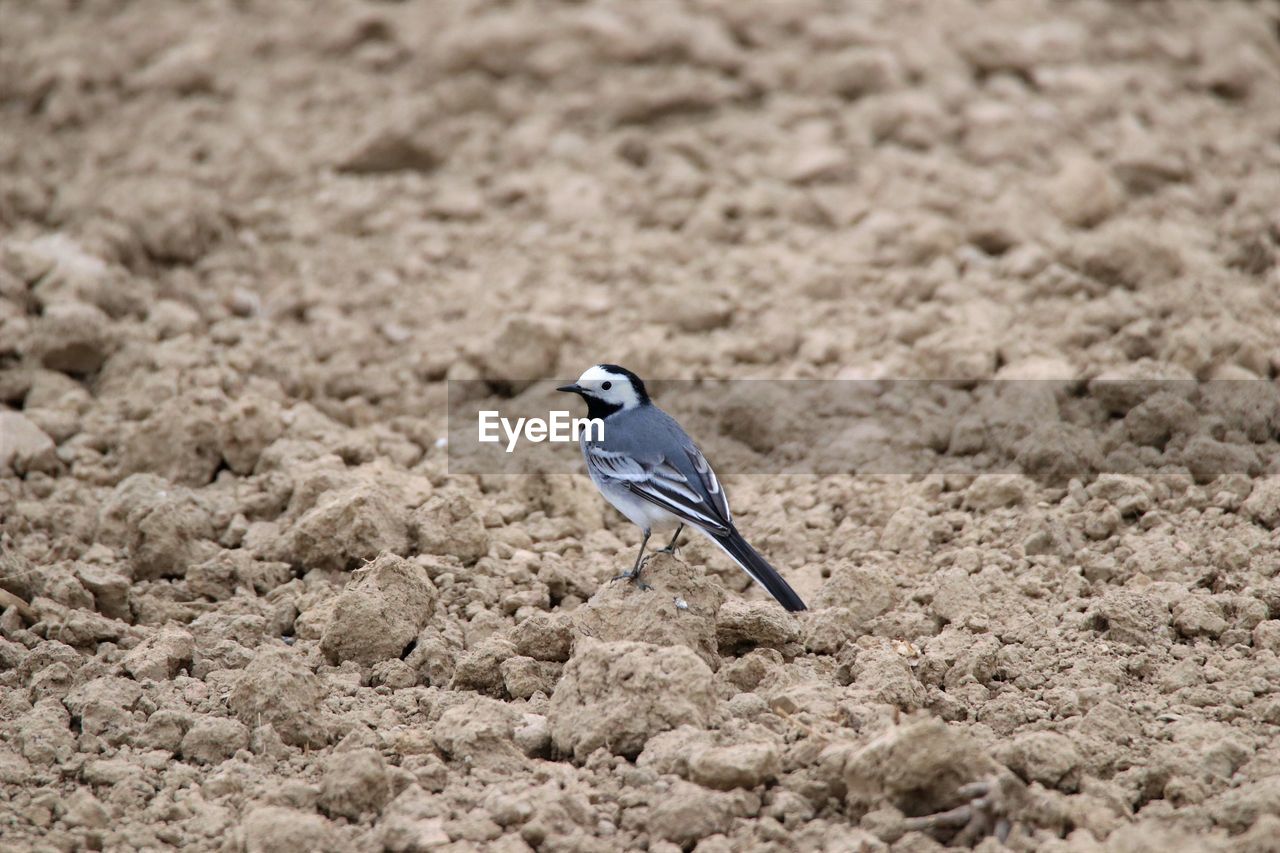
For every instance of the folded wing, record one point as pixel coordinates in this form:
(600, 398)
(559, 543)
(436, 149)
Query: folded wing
(687, 488)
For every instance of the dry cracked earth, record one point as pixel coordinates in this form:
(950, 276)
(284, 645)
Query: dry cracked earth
(244, 246)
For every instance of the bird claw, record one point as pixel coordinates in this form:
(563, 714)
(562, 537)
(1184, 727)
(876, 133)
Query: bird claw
(633, 577)
(984, 814)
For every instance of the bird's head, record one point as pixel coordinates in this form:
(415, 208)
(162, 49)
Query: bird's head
(608, 388)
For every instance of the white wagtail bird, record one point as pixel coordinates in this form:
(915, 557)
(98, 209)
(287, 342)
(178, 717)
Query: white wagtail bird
(651, 471)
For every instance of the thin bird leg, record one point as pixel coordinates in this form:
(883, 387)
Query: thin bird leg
(671, 546)
(634, 574)
(635, 570)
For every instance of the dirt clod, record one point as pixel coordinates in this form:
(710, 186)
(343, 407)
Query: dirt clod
(380, 611)
(354, 784)
(278, 689)
(277, 829)
(617, 695)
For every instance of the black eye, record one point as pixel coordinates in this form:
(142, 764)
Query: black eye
(605, 386)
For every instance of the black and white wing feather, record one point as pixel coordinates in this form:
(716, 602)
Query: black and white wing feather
(687, 488)
(710, 483)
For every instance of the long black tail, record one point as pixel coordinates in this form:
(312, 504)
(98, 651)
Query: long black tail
(761, 572)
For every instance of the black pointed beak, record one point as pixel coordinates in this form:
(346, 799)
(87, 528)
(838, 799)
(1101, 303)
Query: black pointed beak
(575, 388)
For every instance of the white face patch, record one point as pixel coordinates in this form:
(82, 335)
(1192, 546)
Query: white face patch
(613, 388)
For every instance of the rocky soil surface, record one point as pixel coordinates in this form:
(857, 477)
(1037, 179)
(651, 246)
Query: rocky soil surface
(246, 606)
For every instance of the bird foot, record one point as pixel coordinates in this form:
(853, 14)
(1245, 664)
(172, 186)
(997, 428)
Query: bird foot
(634, 577)
(985, 813)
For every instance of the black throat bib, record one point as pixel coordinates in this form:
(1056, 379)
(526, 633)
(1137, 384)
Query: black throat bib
(597, 408)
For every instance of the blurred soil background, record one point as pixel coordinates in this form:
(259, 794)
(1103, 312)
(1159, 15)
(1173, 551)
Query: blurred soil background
(244, 244)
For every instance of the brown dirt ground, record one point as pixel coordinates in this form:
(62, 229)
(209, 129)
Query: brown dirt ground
(243, 244)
